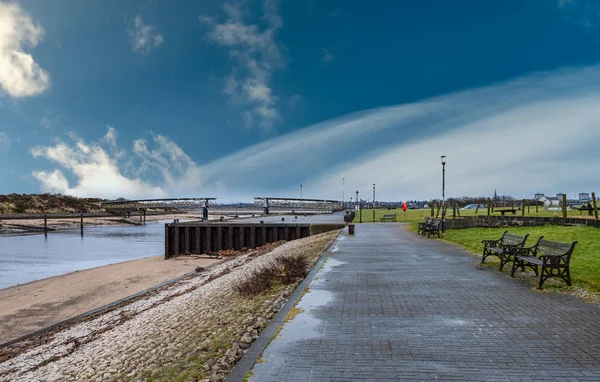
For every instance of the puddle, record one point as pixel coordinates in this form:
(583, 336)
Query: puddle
(303, 326)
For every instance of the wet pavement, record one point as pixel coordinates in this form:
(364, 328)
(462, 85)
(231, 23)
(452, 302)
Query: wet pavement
(388, 304)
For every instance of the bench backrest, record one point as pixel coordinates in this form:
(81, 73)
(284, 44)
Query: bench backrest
(553, 248)
(436, 222)
(389, 215)
(512, 239)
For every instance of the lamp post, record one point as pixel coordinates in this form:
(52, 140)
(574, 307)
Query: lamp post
(359, 208)
(443, 193)
(300, 197)
(343, 190)
(373, 202)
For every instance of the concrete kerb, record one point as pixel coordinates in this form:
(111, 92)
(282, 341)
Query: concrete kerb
(102, 309)
(245, 364)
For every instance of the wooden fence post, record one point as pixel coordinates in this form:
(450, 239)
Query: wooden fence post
(492, 207)
(595, 207)
(489, 205)
(536, 208)
(454, 210)
(477, 208)
(432, 208)
(523, 207)
(564, 206)
(437, 212)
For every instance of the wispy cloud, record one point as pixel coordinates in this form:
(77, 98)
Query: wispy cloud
(583, 13)
(533, 134)
(326, 57)
(256, 54)
(20, 75)
(144, 38)
(4, 141)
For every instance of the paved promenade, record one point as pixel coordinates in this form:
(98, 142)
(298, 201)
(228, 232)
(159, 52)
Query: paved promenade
(388, 304)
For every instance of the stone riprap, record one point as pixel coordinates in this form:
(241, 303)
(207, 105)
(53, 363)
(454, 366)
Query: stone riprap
(168, 328)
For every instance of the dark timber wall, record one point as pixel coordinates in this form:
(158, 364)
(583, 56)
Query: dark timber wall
(205, 238)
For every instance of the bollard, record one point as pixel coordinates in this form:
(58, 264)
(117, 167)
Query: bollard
(351, 229)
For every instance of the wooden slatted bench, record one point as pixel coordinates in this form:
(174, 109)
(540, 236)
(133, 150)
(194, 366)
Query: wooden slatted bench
(433, 228)
(420, 228)
(503, 248)
(551, 256)
(388, 217)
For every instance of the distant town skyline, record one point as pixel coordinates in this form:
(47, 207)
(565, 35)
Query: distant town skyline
(238, 99)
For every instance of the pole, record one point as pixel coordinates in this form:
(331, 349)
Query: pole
(443, 197)
(564, 206)
(373, 202)
(81, 225)
(595, 206)
(45, 225)
(300, 198)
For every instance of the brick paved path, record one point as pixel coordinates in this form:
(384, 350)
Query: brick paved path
(389, 304)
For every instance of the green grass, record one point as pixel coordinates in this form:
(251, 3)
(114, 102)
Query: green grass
(420, 214)
(585, 262)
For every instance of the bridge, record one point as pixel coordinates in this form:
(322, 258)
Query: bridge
(126, 207)
(272, 204)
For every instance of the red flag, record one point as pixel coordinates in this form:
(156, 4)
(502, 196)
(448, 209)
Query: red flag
(404, 206)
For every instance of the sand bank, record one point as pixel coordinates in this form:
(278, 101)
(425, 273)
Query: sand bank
(33, 306)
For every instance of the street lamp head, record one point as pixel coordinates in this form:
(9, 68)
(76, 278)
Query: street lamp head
(443, 159)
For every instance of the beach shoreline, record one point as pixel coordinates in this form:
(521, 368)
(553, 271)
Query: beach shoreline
(28, 307)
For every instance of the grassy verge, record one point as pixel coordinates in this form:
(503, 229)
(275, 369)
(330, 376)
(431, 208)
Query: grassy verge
(420, 214)
(585, 262)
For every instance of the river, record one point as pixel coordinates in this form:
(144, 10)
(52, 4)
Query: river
(30, 257)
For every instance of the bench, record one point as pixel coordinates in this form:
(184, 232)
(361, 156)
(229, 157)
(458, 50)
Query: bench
(433, 228)
(388, 217)
(420, 229)
(551, 256)
(503, 247)
(511, 210)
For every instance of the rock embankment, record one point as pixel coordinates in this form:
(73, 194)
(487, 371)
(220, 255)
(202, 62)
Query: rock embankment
(196, 328)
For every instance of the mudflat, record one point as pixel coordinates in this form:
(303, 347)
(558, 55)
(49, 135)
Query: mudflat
(33, 306)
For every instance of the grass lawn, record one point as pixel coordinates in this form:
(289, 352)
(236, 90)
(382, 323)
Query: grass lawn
(585, 261)
(420, 214)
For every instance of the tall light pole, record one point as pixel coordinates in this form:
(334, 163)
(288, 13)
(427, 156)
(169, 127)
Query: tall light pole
(300, 197)
(443, 193)
(373, 202)
(359, 207)
(343, 190)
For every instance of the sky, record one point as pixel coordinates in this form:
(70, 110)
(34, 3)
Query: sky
(237, 99)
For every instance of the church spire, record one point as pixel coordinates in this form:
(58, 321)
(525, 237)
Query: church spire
(495, 195)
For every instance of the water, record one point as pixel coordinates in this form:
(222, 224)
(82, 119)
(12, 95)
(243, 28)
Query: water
(25, 258)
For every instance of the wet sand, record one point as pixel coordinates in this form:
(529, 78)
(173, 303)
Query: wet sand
(33, 306)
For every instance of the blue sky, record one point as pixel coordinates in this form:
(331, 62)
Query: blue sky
(246, 98)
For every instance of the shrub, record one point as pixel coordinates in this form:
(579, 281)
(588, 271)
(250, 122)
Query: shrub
(258, 281)
(292, 268)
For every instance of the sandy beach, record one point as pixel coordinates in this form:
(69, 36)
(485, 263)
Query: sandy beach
(33, 306)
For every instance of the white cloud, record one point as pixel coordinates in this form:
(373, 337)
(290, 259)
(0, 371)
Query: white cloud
(533, 134)
(97, 173)
(143, 37)
(256, 54)
(326, 57)
(20, 75)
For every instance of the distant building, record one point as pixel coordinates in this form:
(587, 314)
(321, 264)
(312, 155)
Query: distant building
(538, 195)
(584, 197)
(550, 201)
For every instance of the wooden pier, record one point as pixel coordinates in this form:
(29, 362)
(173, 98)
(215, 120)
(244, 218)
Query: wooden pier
(208, 238)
